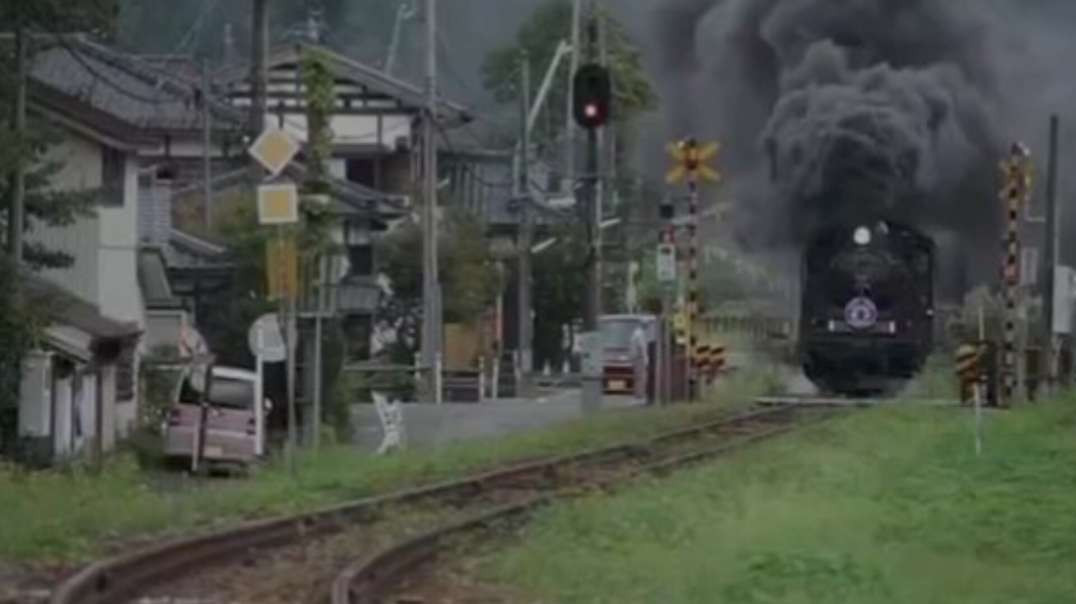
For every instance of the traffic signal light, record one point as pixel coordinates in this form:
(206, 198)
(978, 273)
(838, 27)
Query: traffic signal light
(591, 98)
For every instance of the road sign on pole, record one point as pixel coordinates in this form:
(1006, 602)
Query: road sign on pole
(278, 204)
(266, 340)
(666, 263)
(274, 150)
(690, 162)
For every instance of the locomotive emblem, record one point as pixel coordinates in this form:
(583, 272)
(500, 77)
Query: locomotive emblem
(860, 313)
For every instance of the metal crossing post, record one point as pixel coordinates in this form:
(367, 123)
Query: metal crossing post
(692, 283)
(690, 166)
(1017, 188)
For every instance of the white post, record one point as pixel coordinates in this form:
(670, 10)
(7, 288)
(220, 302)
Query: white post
(978, 394)
(259, 396)
(437, 378)
(259, 412)
(517, 362)
(496, 378)
(481, 378)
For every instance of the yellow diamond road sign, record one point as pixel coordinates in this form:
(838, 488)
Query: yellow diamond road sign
(278, 204)
(274, 149)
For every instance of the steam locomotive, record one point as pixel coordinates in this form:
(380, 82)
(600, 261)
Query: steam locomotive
(867, 307)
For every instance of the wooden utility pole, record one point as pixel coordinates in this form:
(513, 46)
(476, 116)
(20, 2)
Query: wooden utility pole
(431, 306)
(525, 220)
(1052, 244)
(18, 175)
(207, 146)
(259, 75)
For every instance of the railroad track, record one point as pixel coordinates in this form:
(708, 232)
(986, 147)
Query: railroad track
(481, 500)
(372, 580)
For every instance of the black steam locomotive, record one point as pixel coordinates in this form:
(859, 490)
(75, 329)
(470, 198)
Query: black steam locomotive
(867, 309)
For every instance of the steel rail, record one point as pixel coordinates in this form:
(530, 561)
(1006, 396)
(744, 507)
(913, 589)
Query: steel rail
(366, 582)
(114, 580)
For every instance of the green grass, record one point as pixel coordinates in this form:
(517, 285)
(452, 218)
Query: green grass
(937, 380)
(67, 515)
(887, 506)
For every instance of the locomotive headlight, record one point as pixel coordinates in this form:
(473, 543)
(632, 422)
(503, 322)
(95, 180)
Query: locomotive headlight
(862, 235)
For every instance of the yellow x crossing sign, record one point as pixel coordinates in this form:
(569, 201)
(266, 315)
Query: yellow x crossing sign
(690, 161)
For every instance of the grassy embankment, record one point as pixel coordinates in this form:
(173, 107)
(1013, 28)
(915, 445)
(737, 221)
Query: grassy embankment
(67, 515)
(887, 506)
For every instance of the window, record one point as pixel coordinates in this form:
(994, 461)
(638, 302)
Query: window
(112, 177)
(362, 171)
(361, 259)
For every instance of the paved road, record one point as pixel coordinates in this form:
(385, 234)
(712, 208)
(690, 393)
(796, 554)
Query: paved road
(428, 424)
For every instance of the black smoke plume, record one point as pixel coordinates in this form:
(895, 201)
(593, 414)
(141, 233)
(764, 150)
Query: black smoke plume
(845, 110)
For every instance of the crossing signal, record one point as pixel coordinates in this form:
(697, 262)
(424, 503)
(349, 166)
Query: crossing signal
(592, 90)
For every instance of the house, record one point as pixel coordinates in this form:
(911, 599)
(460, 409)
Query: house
(112, 112)
(376, 124)
(72, 397)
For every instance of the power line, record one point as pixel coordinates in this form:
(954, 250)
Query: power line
(195, 31)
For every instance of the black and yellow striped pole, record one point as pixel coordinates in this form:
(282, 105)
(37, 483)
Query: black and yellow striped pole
(1015, 193)
(690, 167)
(968, 370)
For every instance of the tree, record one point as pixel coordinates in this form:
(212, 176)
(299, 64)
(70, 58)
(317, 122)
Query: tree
(469, 282)
(559, 285)
(540, 35)
(559, 273)
(31, 147)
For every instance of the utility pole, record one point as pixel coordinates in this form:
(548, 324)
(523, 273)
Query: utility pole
(1049, 344)
(525, 219)
(207, 150)
(259, 75)
(569, 131)
(593, 211)
(18, 176)
(431, 307)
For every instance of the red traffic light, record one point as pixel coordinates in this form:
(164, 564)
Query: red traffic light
(591, 98)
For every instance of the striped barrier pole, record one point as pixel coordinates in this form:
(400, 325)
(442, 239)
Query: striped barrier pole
(1016, 170)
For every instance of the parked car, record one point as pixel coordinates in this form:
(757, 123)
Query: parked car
(618, 371)
(235, 422)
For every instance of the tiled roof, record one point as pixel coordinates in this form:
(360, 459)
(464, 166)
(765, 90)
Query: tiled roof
(350, 198)
(451, 114)
(120, 85)
(65, 308)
